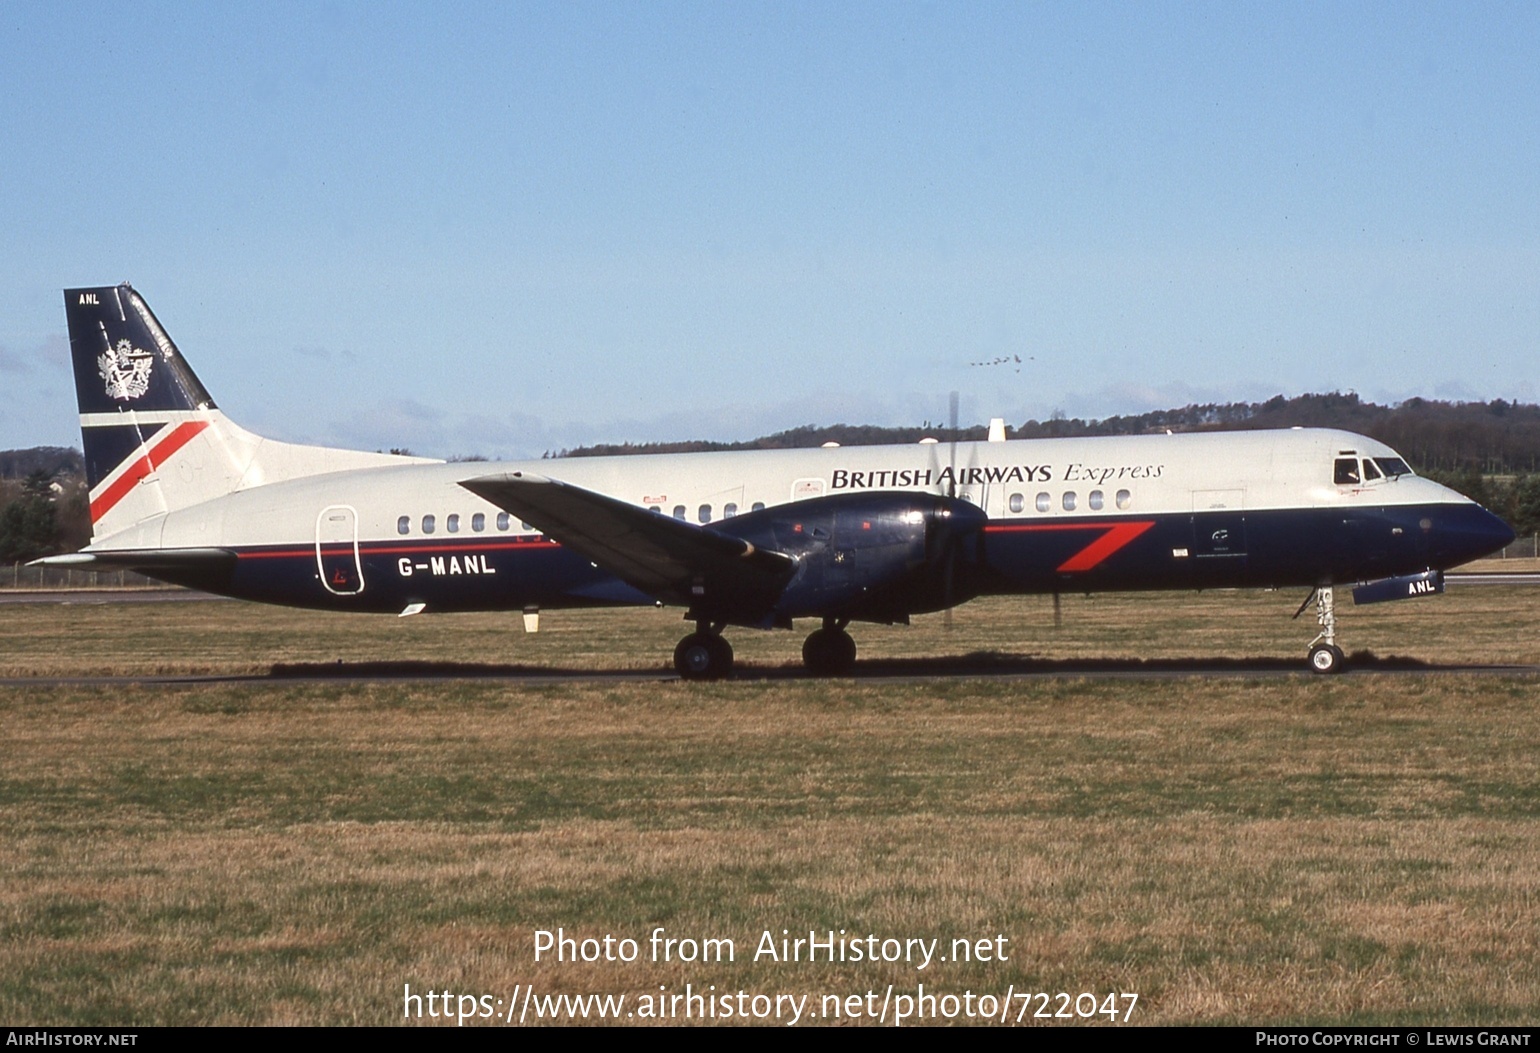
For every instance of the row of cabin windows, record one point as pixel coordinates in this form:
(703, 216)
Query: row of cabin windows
(429, 524)
(703, 513)
(1018, 503)
(1070, 499)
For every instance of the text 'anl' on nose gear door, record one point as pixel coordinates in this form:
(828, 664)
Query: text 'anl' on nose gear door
(336, 551)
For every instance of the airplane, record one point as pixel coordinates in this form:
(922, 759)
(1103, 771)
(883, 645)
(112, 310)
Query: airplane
(756, 539)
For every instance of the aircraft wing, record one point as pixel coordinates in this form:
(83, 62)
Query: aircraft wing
(662, 556)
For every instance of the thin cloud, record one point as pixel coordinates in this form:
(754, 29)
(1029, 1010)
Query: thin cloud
(50, 356)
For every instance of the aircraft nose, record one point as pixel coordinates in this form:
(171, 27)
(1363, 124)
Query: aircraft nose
(1461, 533)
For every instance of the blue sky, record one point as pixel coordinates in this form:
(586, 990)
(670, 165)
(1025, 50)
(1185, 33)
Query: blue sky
(507, 228)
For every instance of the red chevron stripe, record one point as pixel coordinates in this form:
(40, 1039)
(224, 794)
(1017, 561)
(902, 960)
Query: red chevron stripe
(1114, 537)
(154, 457)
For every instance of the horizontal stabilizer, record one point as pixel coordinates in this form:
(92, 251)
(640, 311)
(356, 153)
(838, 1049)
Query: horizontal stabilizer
(664, 557)
(148, 560)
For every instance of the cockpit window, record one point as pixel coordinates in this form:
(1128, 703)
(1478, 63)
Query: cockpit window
(1371, 472)
(1347, 471)
(1393, 466)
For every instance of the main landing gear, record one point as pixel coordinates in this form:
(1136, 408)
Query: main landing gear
(830, 651)
(704, 654)
(1325, 655)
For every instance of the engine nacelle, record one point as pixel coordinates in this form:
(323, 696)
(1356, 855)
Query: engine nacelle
(870, 556)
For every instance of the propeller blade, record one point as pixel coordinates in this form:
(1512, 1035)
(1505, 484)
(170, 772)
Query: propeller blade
(951, 488)
(948, 573)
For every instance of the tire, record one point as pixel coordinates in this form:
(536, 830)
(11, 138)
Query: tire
(829, 652)
(1326, 659)
(721, 656)
(703, 656)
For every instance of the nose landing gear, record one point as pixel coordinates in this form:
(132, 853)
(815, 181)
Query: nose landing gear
(1325, 656)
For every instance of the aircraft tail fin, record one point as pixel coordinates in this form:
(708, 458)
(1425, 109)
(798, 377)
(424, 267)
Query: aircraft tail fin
(154, 441)
(124, 360)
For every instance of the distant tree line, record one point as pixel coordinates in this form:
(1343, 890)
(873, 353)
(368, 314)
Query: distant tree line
(30, 520)
(1494, 438)
(43, 507)
(1491, 438)
(53, 461)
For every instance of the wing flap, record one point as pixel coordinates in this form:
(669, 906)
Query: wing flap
(662, 556)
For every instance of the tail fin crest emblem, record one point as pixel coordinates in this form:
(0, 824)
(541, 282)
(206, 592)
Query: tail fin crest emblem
(125, 368)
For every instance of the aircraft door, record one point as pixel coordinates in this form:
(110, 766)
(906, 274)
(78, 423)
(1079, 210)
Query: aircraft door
(1218, 533)
(336, 551)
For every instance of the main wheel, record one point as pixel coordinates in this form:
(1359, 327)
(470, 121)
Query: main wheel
(1326, 658)
(829, 652)
(703, 656)
(721, 655)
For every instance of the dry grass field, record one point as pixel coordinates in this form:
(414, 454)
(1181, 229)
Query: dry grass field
(90, 637)
(1278, 849)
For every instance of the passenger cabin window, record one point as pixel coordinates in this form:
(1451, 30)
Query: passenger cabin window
(1018, 502)
(759, 506)
(1043, 503)
(428, 524)
(654, 508)
(452, 524)
(404, 525)
(1096, 500)
(1125, 498)
(1347, 471)
(479, 522)
(503, 521)
(1069, 500)
(679, 512)
(705, 513)
(729, 510)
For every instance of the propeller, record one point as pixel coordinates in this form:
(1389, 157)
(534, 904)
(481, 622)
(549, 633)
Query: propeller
(951, 487)
(949, 553)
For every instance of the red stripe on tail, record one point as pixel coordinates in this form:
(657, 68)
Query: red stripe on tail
(154, 457)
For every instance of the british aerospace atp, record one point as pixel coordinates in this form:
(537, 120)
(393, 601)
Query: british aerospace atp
(757, 539)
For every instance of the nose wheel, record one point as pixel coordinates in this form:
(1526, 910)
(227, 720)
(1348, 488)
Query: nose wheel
(704, 655)
(1325, 656)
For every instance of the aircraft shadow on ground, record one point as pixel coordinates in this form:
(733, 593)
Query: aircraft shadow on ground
(978, 664)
